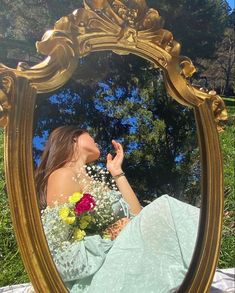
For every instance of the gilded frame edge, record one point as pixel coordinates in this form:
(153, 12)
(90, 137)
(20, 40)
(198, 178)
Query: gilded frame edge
(63, 47)
(21, 189)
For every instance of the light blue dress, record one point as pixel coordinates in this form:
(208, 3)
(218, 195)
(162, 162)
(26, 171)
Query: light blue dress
(151, 254)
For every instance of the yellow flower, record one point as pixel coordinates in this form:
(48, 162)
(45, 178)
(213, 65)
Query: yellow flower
(85, 221)
(64, 212)
(79, 234)
(67, 216)
(83, 224)
(76, 196)
(106, 236)
(70, 220)
(87, 218)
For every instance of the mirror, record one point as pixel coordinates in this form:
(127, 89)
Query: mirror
(124, 98)
(122, 28)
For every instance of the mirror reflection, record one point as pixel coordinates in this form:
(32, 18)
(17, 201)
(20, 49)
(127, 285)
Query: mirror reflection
(117, 171)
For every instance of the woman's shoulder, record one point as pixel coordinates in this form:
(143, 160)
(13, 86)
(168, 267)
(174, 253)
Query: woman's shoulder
(61, 184)
(62, 173)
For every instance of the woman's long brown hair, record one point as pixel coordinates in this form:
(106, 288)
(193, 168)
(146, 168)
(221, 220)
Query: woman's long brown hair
(58, 151)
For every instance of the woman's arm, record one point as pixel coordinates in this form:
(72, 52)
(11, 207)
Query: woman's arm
(114, 165)
(128, 194)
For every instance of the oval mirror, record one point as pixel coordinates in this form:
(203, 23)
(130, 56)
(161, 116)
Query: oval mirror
(124, 97)
(159, 138)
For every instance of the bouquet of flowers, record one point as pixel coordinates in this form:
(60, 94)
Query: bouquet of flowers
(91, 212)
(79, 213)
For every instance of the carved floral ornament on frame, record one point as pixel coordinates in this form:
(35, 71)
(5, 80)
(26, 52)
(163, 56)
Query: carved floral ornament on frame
(123, 27)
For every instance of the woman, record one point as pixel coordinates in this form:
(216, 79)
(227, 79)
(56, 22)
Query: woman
(62, 159)
(149, 249)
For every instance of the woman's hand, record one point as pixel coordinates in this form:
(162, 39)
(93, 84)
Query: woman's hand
(114, 165)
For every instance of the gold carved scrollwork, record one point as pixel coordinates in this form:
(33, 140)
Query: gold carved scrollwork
(123, 27)
(7, 78)
(217, 106)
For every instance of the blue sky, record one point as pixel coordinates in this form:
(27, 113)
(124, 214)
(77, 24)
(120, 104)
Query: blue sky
(231, 3)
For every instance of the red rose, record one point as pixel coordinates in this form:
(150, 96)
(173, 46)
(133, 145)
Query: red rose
(85, 204)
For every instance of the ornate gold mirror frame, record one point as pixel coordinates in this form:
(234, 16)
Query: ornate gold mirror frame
(122, 28)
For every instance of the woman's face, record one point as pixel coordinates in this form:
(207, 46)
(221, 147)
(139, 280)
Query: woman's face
(86, 145)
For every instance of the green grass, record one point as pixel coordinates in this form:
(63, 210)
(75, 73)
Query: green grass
(227, 140)
(12, 269)
(229, 101)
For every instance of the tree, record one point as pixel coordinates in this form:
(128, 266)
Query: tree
(197, 24)
(24, 22)
(219, 72)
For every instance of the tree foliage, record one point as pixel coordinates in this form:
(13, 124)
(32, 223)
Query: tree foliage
(197, 24)
(219, 72)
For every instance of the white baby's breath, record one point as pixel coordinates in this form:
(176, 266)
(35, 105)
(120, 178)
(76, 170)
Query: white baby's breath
(104, 212)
